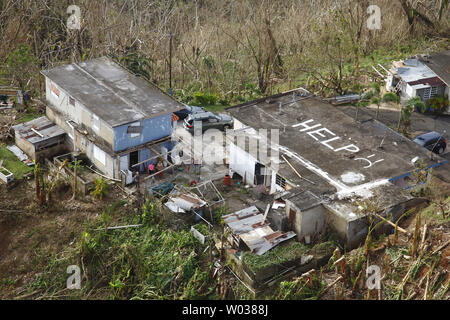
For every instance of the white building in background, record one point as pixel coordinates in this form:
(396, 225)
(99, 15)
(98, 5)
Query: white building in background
(425, 77)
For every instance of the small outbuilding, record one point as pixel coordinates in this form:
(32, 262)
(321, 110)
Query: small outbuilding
(40, 138)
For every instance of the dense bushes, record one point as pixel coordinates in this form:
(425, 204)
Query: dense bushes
(147, 262)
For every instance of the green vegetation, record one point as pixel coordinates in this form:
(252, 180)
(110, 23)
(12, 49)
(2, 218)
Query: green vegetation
(21, 65)
(203, 99)
(27, 116)
(147, 262)
(438, 104)
(13, 164)
(434, 212)
(391, 97)
(101, 188)
(301, 289)
(78, 165)
(416, 102)
(281, 254)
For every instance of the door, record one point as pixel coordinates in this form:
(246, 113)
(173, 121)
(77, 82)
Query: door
(259, 174)
(134, 159)
(291, 217)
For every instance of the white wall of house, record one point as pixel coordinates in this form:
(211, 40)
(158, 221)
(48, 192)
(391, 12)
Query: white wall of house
(238, 125)
(274, 188)
(59, 102)
(389, 80)
(242, 163)
(410, 91)
(74, 110)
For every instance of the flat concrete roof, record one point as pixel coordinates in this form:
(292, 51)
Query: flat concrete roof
(439, 63)
(337, 154)
(43, 126)
(303, 199)
(111, 92)
(383, 198)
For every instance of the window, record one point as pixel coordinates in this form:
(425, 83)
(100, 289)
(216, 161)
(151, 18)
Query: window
(134, 129)
(54, 90)
(95, 123)
(434, 92)
(280, 182)
(429, 93)
(99, 155)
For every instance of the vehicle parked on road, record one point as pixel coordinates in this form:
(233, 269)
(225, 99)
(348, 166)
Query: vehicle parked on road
(433, 141)
(184, 113)
(209, 120)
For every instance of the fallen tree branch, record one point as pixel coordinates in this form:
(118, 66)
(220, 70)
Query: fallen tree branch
(102, 175)
(120, 227)
(441, 247)
(392, 224)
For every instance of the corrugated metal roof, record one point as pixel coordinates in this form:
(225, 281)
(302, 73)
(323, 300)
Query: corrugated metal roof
(248, 226)
(42, 125)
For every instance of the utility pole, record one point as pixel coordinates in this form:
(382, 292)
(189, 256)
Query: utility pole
(170, 64)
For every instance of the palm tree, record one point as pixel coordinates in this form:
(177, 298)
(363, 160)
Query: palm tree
(408, 109)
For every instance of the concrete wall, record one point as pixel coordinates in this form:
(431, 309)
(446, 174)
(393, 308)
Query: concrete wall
(242, 163)
(25, 146)
(40, 155)
(310, 222)
(78, 113)
(152, 129)
(338, 224)
(352, 233)
(83, 144)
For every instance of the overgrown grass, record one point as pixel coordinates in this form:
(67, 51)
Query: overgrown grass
(28, 115)
(12, 163)
(148, 262)
(434, 213)
(281, 254)
(216, 108)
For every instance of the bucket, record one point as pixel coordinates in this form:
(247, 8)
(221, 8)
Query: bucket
(227, 180)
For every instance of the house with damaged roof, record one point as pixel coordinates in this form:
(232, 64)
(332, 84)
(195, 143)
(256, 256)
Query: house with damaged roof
(116, 118)
(329, 169)
(424, 76)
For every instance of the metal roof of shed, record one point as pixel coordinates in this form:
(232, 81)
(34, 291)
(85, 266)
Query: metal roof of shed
(42, 125)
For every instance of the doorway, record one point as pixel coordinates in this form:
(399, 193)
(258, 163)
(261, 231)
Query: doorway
(259, 174)
(134, 159)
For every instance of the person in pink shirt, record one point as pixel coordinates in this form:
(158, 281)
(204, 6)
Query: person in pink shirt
(151, 168)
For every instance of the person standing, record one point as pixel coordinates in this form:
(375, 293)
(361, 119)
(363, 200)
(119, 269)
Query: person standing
(151, 168)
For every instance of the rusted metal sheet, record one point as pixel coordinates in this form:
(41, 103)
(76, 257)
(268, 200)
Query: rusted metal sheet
(39, 130)
(247, 226)
(242, 214)
(185, 202)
